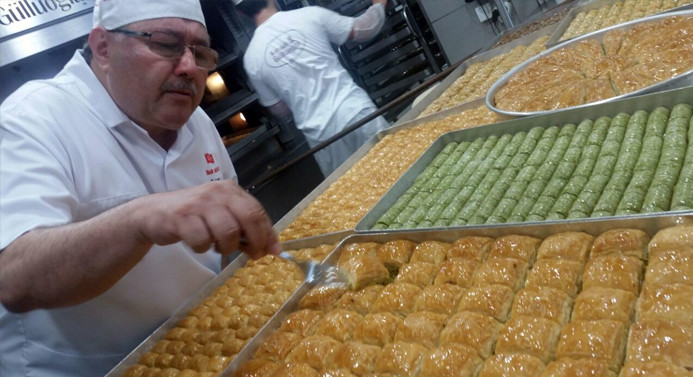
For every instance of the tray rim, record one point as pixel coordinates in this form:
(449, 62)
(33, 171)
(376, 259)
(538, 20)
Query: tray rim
(662, 85)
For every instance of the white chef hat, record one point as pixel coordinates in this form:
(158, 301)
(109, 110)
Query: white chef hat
(112, 14)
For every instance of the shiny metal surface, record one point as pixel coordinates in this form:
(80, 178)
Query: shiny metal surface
(683, 80)
(26, 44)
(459, 72)
(630, 105)
(650, 224)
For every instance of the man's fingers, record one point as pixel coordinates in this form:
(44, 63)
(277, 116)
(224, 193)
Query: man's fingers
(225, 230)
(194, 232)
(256, 226)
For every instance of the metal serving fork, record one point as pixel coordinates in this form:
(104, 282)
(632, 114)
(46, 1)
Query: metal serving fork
(315, 272)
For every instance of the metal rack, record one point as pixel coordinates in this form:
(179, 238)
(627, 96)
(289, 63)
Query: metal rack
(400, 58)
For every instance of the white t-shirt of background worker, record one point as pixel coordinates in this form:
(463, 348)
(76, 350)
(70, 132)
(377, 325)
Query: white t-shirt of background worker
(291, 59)
(69, 153)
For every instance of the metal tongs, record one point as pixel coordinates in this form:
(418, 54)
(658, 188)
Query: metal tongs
(318, 273)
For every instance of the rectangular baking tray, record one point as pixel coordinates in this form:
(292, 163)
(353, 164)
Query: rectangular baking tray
(648, 223)
(630, 105)
(133, 357)
(683, 80)
(441, 87)
(594, 4)
(358, 155)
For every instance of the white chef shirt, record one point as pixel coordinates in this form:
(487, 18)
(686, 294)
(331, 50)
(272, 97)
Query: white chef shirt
(290, 59)
(67, 154)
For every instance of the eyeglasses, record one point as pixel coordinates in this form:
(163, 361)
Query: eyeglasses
(171, 46)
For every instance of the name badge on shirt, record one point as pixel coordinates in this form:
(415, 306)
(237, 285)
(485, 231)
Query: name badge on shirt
(212, 169)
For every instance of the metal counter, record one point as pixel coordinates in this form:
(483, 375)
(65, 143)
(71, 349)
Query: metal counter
(682, 80)
(630, 105)
(650, 224)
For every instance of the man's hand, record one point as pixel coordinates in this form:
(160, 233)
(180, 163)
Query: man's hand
(217, 213)
(383, 2)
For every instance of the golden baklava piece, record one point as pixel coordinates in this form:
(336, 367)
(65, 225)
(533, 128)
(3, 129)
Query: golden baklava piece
(665, 341)
(316, 351)
(629, 242)
(360, 300)
(454, 360)
(440, 298)
(573, 246)
(358, 249)
(400, 359)
(421, 327)
(653, 369)
(675, 238)
(363, 270)
(544, 302)
(456, 270)
(338, 324)
(613, 271)
(492, 300)
(322, 297)
(603, 340)
(295, 370)
(515, 246)
(430, 251)
(562, 274)
(277, 346)
(604, 303)
(302, 322)
(395, 253)
(417, 273)
(671, 268)
(397, 298)
(666, 302)
(377, 328)
(512, 364)
(529, 335)
(510, 272)
(359, 358)
(566, 367)
(475, 330)
(475, 248)
(257, 368)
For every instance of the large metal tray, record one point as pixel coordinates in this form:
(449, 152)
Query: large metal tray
(630, 105)
(650, 224)
(358, 155)
(133, 357)
(683, 80)
(586, 7)
(428, 99)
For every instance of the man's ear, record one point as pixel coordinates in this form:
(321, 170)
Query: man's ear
(99, 43)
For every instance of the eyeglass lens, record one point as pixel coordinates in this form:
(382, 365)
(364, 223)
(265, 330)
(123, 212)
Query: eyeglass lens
(171, 46)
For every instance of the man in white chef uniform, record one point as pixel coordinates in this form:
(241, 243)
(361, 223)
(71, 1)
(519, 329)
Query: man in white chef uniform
(114, 189)
(295, 72)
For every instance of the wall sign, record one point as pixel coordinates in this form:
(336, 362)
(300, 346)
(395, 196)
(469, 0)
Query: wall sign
(19, 15)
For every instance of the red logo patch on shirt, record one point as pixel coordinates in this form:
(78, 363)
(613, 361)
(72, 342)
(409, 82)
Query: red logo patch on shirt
(209, 158)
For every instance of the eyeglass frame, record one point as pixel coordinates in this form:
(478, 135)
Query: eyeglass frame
(148, 35)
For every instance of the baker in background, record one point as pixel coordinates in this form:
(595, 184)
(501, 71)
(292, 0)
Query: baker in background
(298, 76)
(114, 189)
